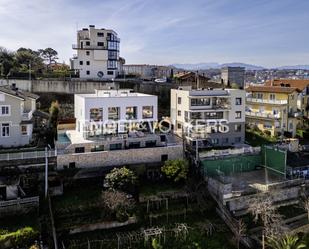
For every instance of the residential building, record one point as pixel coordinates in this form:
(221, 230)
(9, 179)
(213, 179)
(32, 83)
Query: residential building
(213, 117)
(146, 71)
(97, 53)
(233, 75)
(16, 116)
(272, 109)
(194, 79)
(302, 86)
(114, 128)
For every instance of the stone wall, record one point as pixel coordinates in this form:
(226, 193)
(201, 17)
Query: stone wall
(119, 157)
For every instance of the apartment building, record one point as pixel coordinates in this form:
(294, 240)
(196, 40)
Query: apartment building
(213, 117)
(114, 128)
(302, 86)
(233, 75)
(16, 116)
(97, 53)
(273, 109)
(146, 71)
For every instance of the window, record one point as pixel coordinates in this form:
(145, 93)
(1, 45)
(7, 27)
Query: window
(5, 110)
(272, 96)
(81, 63)
(238, 101)
(112, 64)
(134, 145)
(24, 130)
(96, 114)
(164, 158)
(87, 72)
(112, 55)
(238, 115)
(88, 43)
(97, 148)
(214, 115)
(5, 130)
(115, 146)
(215, 141)
(179, 113)
(147, 111)
(238, 127)
(114, 113)
(88, 53)
(80, 150)
(150, 143)
(200, 102)
(100, 34)
(179, 125)
(267, 126)
(237, 139)
(110, 72)
(100, 44)
(179, 100)
(131, 112)
(225, 140)
(88, 63)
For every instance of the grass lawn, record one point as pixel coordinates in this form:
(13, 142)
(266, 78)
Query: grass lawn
(147, 189)
(256, 139)
(13, 223)
(75, 197)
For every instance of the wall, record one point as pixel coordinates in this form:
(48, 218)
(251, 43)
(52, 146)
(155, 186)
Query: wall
(119, 157)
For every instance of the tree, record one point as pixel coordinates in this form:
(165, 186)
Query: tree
(53, 117)
(7, 61)
(48, 54)
(122, 179)
(240, 231)
(26, 56)
(286, 242)
(118, 202)
(176, 170)
(155, 244)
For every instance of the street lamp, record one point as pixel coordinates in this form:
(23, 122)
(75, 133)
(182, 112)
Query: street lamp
(46, 169)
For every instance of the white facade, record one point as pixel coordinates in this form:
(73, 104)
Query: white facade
(219, 113)
(97, 53)
(92, 111)
(16, 112)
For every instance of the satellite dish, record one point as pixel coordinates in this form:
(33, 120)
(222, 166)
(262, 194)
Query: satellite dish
(100, 74)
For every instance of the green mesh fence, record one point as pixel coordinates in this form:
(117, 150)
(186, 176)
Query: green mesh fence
(230, 165)
(274, 159)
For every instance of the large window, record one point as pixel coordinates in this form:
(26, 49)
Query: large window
(131, 112)
(5, 130)
(112, 64)
(100, 44)
(95, 148)
(96, 114)
(112, 55)
(5, 110)
(24, 130)
(200, 102)
(238, 115)
(214, 115)
(238, 127)
(147, 111)
(100, 34)
(114, 113)
(238, 101)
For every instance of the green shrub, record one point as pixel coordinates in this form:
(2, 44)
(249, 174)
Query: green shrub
(21, 237)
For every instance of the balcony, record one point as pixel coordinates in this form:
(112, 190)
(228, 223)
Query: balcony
(263, 115)
(267, 101)
(26, 116)
(109, 38)
(89, 47)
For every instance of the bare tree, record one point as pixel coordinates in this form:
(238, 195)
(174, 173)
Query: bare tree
(305, 205)
(116, 200)
(240, 231)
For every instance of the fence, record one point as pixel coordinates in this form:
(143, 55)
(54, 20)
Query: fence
(26, 155)
(228, 152)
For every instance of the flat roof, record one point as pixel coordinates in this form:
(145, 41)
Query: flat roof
(113, 93)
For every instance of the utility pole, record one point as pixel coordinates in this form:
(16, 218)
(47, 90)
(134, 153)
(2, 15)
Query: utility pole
(29, 70)
(46, 172)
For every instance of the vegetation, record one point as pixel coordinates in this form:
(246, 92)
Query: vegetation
(177, 170)
(21, 237)
(122, 179)
(53, 118)
(286, 242)
(258, 138)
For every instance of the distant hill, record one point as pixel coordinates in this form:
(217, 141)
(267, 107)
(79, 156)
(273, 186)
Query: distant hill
(302, 67)
(215, 65)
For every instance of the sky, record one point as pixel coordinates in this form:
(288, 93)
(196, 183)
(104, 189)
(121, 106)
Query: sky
(262, 32)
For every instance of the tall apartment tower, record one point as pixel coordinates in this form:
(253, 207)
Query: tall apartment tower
(97, 53)
(236, 75)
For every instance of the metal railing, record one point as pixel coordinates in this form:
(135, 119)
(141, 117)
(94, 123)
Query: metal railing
(27, 155)
(89, 47)
(267, 101)
(263, 115)
(27, 116)
(30, 201)
(217, 153)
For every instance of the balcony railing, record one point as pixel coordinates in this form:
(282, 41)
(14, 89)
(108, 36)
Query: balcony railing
(89, 47)
(26, 116)
(27, 155)
(109, 38)
(267, 101)
(263, 115)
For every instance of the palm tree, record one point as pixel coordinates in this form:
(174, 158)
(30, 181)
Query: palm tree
(286, 242)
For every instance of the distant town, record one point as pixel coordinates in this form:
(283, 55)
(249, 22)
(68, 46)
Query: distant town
(105, 154)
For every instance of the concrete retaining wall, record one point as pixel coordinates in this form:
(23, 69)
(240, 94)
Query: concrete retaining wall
(119, 157)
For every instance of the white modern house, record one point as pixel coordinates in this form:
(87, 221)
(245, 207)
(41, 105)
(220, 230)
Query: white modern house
(114, 128)
(97, 53)
(16, 116)
(213, 117)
